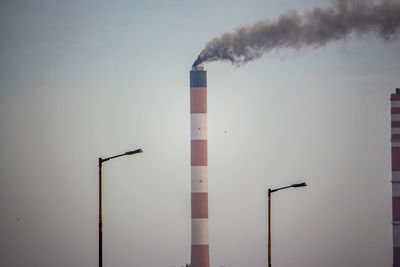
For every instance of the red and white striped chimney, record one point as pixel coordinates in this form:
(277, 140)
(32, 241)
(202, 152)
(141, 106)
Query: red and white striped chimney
(199, 177)
(395, 119)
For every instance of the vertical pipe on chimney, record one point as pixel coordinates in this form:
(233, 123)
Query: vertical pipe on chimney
(199, 162)
(395, 138)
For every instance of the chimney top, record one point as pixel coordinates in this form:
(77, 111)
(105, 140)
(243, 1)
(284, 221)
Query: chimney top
(198, 67)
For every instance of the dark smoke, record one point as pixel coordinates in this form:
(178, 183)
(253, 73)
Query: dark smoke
(315, 28)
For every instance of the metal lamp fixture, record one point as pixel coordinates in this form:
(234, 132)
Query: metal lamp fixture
(101, 160)
(270, 191)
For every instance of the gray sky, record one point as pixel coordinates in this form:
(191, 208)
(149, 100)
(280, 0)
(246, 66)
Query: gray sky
(86, 79)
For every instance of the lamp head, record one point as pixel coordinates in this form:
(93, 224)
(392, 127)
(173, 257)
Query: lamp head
(134, 152)
(299, 185)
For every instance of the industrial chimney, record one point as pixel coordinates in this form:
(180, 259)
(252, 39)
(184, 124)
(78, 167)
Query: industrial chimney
(199, 177)
(395, 118)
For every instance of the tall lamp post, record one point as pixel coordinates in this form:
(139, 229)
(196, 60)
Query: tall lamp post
(100, 200)
(270, 191)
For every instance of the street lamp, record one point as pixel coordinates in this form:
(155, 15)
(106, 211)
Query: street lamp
(100, 200)
(270, 191)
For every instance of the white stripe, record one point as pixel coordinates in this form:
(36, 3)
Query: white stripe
(395, 117)
(199, 179)
(395, 143)
(198, 126)
(395, 104)
(199, 231)
(396, 176)
(396, 130)
(396, 189)
(396, 235)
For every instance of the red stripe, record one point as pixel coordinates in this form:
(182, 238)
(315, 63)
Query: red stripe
(396, 256)
(395, 137)
(396, 208)
(199, 205)
(395, 110)
(199, 152)
(395, 123)
(395, 97)
(395, 158)
(198, 100)
(200, 256)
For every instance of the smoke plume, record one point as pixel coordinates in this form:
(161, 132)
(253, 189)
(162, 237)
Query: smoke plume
(314, 28)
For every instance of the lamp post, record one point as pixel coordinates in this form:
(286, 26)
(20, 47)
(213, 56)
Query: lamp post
(101, 160)
(270, 191)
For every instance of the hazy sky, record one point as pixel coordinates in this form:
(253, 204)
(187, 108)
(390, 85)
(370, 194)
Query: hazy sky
(86, 79)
